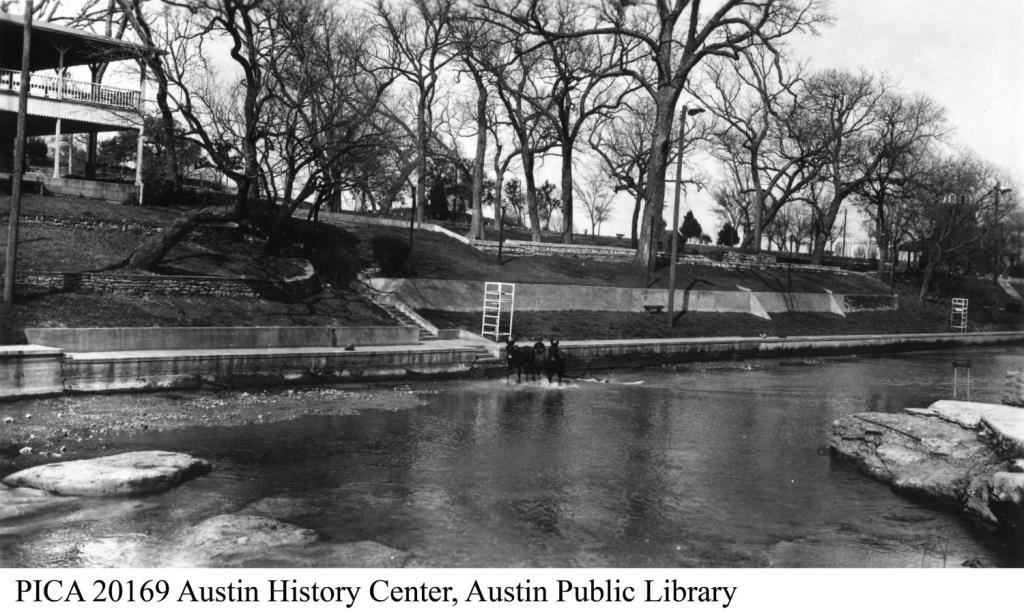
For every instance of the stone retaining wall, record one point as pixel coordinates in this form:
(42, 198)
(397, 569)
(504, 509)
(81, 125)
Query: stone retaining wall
(529, 248)
(145, 284)
(127, 226)
(869, 303)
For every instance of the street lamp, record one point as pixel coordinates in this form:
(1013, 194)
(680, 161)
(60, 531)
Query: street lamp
(675, 211)
(999, 243)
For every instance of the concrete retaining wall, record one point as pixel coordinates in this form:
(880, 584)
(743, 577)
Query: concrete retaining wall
(107, 191)
(151, 370)
(30, 370)
(1013, 389)
(183, 338)
(467, 296)
(584, 355)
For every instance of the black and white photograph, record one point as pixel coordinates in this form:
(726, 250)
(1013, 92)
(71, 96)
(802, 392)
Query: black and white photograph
(405, 305)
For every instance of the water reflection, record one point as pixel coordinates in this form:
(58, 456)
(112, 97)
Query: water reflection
(720, 467)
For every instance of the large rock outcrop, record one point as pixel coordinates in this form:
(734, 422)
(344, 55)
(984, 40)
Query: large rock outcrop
(133, 473)
(951, 453)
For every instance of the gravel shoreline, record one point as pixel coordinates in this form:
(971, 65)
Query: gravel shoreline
(49, 429)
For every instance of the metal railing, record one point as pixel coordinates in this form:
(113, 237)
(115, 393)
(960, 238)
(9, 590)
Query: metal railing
(56, 88)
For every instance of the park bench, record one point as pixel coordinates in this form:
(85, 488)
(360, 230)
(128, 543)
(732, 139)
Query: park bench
(654, 309)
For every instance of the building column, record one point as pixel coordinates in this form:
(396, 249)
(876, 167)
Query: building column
(56, 151)
(60, 96)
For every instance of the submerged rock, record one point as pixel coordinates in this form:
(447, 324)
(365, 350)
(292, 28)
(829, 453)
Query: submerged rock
(243, 540)
(24, 502)
(946, 454)
(133, 473)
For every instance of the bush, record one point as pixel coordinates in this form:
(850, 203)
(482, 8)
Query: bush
(391, 255)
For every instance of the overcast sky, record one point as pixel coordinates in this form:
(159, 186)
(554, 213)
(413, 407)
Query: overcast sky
(968, 56)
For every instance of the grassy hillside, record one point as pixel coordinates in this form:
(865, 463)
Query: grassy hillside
(55, 248)
(437, 256)
(47, 247)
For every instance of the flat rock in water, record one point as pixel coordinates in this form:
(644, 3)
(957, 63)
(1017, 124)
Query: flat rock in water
(928, 456)
(133, 473)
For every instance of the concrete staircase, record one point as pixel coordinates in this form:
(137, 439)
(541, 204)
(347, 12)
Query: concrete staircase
(395, 309)
(403, 319)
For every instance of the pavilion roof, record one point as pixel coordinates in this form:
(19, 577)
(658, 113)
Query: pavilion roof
(80, 47)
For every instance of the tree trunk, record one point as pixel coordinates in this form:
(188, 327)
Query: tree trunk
(476, 226)
(882, 234)
(150, 253)
(388, 198)
(421, 157)
(665, 102)
(826, 221)
(567, 196)
(499, 181)
(926, 280)
(637, 202)
(531, 193)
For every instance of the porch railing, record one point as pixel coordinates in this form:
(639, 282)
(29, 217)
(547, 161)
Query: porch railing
(56, 88)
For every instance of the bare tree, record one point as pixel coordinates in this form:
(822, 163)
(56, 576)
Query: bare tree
(419, 42)
(473, 40)
(671, 39)
(622, 141)
(839, 114)
(954, 206)
(596, 191)
(905, 127)
(524, 99)
(751, 100)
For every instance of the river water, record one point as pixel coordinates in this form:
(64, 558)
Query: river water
(695, 465)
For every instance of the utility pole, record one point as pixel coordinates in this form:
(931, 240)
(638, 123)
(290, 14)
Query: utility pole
(675, 212)
(997, 228)
(19, 163)
(844, 232)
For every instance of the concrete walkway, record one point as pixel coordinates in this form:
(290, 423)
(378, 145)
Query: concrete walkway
(50, 370)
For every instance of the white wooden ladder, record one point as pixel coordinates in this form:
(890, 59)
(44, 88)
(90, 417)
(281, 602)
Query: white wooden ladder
(958, 315)
(499, 299)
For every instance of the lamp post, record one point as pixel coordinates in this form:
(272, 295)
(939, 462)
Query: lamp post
(501, 230)
(675, 211)
(999, 244)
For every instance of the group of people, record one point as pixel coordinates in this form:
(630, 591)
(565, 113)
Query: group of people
(548, 360)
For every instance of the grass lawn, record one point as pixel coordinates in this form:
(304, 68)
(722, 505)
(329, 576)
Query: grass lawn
(329, 308)
(629, 325)
(438, 256)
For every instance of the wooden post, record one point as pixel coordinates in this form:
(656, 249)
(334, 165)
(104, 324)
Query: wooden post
(19, 162)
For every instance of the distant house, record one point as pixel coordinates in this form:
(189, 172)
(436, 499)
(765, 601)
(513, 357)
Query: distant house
(60, 106)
